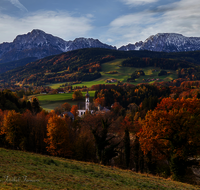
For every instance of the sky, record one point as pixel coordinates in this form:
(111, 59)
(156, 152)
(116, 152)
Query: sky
(114, 22)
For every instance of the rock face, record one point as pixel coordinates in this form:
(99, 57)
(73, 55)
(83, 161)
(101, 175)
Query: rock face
(40, 44)
(166, 42)
(129, 47)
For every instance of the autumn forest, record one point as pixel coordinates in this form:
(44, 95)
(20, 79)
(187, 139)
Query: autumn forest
(149, 128)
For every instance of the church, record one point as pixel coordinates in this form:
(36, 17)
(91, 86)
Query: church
(85, 107)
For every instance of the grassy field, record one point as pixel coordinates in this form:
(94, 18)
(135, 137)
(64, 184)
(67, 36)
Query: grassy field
(22, 170)
(51, 101)
(123, 74)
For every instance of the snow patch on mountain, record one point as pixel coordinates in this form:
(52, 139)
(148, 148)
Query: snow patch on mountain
(166, 42)
(39, 44)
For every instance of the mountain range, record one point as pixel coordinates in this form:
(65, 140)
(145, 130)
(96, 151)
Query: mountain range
(37, 44)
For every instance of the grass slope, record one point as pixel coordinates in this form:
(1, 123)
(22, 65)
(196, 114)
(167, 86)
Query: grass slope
(125, 72)
(51, 101)
(22, 170)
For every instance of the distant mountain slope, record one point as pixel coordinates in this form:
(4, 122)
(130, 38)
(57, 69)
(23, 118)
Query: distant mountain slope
(14, 64)
(166, 42)
(85, 64)
(40, 44)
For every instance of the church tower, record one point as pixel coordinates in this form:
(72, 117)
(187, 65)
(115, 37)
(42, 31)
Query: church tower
(87, 101)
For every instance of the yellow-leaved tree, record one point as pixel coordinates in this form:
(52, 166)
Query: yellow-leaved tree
(58, 136)
(77, 95)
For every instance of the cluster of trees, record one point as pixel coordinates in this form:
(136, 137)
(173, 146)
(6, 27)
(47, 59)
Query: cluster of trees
(10, 101)
(144, 126)
(136, 75)
(172, 132)
(164, 129)
(162, 72)
(131, 94)
(156, 62)
(90, 68)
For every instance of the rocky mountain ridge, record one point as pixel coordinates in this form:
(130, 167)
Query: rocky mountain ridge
(39, 44)
(166, 42)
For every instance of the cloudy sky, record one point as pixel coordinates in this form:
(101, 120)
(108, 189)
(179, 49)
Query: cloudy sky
(115, 22)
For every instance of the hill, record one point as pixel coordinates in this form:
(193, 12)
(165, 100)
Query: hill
(86, 65)
(22, 170)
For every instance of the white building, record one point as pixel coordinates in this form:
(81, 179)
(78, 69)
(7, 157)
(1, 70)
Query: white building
(82, 111)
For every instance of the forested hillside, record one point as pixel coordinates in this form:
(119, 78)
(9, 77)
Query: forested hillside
(85, 65)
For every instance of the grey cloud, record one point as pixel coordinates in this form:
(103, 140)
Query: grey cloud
(180, 17)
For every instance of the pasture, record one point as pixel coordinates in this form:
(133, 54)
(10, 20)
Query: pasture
(125, 72)
(51, 101)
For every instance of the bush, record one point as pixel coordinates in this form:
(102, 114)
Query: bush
(162, 72)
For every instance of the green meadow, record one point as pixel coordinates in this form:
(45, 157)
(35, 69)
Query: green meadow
(123, 74)
(51, 101)
(24, 170)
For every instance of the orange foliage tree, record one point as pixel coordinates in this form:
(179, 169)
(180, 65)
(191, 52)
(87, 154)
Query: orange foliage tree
(172, 131)
(99, 101)
(74, 110)
(66, 106)
(58, 137)
(13, 128)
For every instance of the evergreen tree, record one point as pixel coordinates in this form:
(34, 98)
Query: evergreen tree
(127, 147)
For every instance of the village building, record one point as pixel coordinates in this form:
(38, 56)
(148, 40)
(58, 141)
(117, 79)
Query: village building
(85, 107)
(69, 114)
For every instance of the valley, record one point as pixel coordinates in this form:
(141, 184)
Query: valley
(49, 102)
(100, 95)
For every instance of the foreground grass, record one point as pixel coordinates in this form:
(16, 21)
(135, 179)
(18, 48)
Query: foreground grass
(21, 170)
(51, 101)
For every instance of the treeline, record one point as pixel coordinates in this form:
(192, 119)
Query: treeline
(11, 101)
(130, 94)
(156, 62)
(136, 75)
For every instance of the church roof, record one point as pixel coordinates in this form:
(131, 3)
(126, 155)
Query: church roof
(69, 114)
(87, 94)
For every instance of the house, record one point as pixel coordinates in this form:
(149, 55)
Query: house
(69, 114)
(113, 80)
(102, 110)
(43, 92)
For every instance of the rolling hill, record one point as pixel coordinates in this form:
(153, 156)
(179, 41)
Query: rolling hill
(88, 65)
(23, 170)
